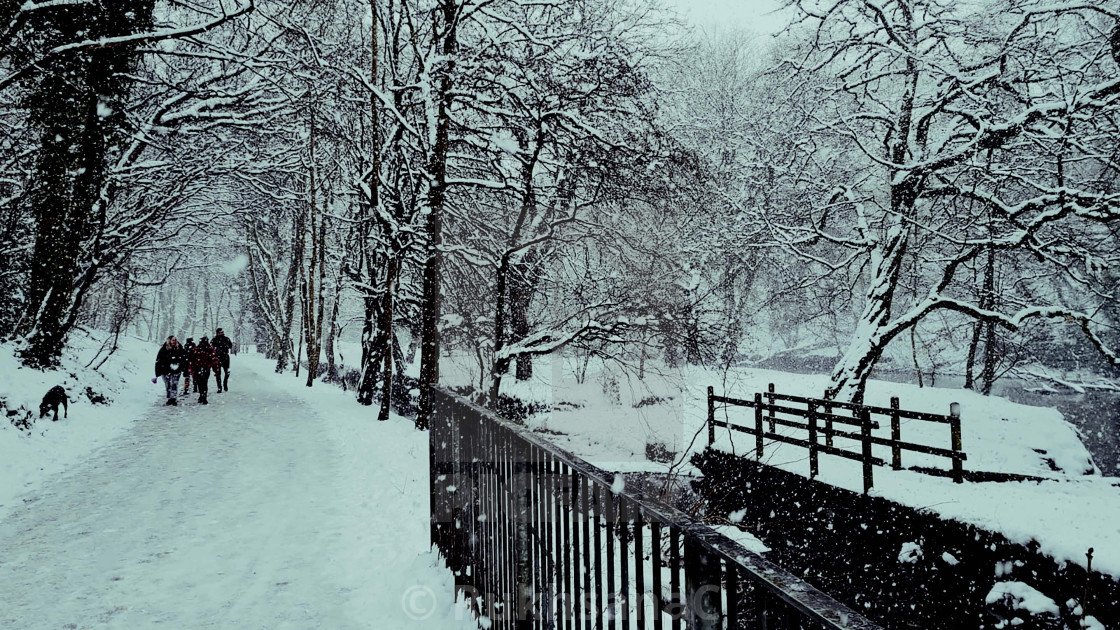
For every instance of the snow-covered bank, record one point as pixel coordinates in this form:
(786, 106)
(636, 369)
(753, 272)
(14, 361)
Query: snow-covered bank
(611, 417)
(29, 457)
(1075, 510)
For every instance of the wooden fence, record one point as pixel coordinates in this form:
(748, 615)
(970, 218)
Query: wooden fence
(819, 417)
(538, 538)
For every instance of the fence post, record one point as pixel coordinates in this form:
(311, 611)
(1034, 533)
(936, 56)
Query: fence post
(865, 434)
(770, 401)
(955, 426)
(702, 579)
(896, 435)
(711, 416)
(1088, 576)
(827, 422)
(813, 464)
(758, 426)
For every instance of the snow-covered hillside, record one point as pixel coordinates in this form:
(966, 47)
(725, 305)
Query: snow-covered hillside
(28, 456)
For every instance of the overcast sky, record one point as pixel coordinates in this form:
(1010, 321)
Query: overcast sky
(747, 14)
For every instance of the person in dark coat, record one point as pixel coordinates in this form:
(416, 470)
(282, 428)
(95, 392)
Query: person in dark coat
(222, 346)
(203, 359)
(187, 373)
(171, 361)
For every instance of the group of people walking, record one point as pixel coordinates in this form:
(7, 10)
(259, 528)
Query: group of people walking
(194, 363)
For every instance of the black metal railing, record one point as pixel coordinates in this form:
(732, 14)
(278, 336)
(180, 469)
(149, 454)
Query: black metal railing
(538, 538)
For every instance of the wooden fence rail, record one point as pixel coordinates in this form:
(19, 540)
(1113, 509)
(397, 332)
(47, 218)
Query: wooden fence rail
(819, 417)
(538, 538)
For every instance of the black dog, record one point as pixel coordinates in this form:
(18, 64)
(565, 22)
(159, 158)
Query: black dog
(55, 396)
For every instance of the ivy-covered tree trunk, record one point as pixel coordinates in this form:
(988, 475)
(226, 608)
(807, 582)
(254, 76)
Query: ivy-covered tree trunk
(77, 104)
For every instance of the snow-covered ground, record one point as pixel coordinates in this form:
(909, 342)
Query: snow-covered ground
(283, 506)
(275, 506)
(612, 416)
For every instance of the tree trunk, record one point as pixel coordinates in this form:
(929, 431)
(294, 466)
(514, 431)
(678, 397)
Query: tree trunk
(291, 288)
(988, 301)
(501, 364)
(321, 293)
(208, 321)
(313, 317)
(849, 377)
(914, 355)
(437, 169)
(385, 335)
(239, 331)
(172, 303)
(970, 362)
(508, 270)
(371, 352)
(76, 135)
(522, 287)
(371, 363)
(332, 329)
(62, 211)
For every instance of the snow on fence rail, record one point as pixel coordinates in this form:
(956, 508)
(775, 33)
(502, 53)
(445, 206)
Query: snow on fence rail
(538, 538)
(821, 417)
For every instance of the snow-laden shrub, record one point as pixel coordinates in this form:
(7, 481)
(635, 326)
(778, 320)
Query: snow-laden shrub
(20, 417)
(1019, 605)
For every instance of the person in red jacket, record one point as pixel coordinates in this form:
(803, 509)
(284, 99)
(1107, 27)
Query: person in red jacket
(203, 358)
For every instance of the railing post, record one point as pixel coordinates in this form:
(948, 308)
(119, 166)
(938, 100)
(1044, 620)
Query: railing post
(865, 434)
(522, 550)
(758, 426)
(955, 427)
(680, 605)
(655, 573)
(813, 459)
(770, 401)
(433, 458)
(711, 416)
(896, 435)
(452, 491)
(702, 579)
(466, 504)
(440, 463)
(610, 509)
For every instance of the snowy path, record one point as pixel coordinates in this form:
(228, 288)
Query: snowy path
(272, 507)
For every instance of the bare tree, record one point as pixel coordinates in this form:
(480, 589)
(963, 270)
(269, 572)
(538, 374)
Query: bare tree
(940, 111)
